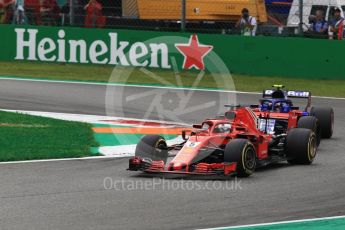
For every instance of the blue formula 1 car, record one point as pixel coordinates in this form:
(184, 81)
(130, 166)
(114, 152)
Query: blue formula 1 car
(278, 114)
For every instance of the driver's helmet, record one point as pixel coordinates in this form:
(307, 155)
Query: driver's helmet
(282, 107)
(278, 107)
(285, 108)
(266, 106)
(222, 128)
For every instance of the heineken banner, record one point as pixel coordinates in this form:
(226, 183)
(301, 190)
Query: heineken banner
(266, 56)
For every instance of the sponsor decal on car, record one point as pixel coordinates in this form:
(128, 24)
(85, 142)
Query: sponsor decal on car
(192, 144)
(293, 93)
(267, 125)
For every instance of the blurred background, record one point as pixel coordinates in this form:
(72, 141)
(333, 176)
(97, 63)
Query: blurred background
(274, 17)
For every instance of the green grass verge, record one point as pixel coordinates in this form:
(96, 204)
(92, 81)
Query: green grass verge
(26, 137)
(102, 73)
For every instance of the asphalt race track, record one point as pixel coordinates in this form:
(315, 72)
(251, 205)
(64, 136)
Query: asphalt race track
(72, 195)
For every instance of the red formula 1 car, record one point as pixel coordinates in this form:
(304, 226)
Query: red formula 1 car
(237, 143)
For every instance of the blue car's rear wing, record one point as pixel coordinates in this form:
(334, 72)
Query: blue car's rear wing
(267, 93)
(290, 93)
(298, 94)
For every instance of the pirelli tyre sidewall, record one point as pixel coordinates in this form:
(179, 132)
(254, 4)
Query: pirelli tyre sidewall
(301, 146)
(325, 116)
(153, 147)
(243, 153)
(312, 123)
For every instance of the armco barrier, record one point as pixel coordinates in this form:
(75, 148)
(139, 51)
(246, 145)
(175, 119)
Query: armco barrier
(259, 56)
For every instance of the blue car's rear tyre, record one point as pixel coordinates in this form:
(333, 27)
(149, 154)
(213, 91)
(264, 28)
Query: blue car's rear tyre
(312, 123)
(326, 120)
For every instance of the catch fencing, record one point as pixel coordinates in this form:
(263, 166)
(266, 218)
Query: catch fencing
(274, 17)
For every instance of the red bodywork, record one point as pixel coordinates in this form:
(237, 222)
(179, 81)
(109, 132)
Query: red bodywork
(243, 123)
(292, 117)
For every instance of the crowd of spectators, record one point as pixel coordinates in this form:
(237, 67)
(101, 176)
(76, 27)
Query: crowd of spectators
(320, 28)
(92, 13)
(50, 13)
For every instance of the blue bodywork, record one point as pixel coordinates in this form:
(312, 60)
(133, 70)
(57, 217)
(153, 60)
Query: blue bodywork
(276, 105)
(277, 100)
(280, 7)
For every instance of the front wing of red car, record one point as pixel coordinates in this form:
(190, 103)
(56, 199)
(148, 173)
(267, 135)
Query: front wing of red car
(149, 166)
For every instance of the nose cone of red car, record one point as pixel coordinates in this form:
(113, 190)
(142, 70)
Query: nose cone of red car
(177, 166)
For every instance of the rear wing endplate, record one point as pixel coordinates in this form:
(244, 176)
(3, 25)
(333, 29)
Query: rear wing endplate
(301, 94)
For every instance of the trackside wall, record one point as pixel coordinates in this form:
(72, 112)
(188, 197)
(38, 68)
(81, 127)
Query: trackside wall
(266, 56)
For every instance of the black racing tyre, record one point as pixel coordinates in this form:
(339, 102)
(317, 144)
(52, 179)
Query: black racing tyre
(243, 153)
(312, 123)
(326, 120)
(300, 146)
(153, 147)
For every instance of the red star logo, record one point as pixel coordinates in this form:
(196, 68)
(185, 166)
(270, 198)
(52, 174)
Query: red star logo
(193, 53)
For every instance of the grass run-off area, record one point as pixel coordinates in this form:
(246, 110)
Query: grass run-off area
(26, 137)
(101, 73)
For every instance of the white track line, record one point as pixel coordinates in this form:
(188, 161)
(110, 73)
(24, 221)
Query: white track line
(113, 84)
(276, 223)
(119, 151)
(62, 159)
(146, 86)
(88, 118)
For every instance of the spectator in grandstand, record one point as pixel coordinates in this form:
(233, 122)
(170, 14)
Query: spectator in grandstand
(32, 12)
(6, 11)
(336, 30)
(65, 13)
(247, 24)
(20, 17)
(78, 12)
(94, 16)
(318, 27)
(50, 13)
